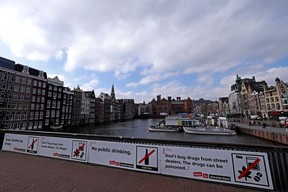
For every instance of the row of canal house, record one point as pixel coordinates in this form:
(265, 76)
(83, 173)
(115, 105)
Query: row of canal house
(170, 106)
(30, 100)
(251, 97)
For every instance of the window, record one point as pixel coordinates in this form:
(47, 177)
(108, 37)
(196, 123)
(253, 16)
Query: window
(20, 106)
(39, 84)
(36, 115)
(25, 106)
(32, 106)
(22, 89)
(17, 79)
(50, 87)
(35, 125)
(48, 104)
(16, 88)
(24, 116)
(53, 113)
(44, 85)
(46, 121)
(58, 104)
(28, 89)
(53, 104)
(30, 125)
(49, 94)
(48, 113)
(28, 81)
(43, 91)
(35, 83)
(34, 90)
(23, 80)
(31, 115)
(278, 106)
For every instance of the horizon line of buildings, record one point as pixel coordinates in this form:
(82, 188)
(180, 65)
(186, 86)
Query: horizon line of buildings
(247, 97)
(31, 100)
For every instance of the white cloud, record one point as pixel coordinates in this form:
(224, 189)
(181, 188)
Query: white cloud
(160, 38)
(91, 85)
(106, 36)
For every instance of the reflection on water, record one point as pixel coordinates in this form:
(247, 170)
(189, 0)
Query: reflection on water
(138, 128)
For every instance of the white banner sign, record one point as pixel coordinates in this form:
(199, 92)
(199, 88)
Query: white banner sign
(226, 166)
(64, 148)
(113, 154)
(124, 155)
(17, 143)
(234, 167)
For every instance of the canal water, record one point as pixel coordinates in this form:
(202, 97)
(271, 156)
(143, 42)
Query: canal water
(138, 128)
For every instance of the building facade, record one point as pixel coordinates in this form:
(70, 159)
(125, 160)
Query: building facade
(76, 107)
(67, 105)
(7, 78)
(54, 103)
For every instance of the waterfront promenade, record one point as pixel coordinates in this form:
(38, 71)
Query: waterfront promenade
(27, 173)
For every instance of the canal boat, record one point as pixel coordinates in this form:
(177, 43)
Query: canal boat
(209, 130)
(219, 126)
(174, 124)
(56, 128)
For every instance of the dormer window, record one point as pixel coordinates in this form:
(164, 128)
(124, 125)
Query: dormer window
(41, 74)
(25, 70)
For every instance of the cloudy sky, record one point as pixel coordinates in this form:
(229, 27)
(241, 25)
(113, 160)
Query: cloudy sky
(174, 48)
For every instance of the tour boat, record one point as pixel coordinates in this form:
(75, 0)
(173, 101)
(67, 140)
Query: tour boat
(209, 131)
(217, 126)
(174, 124)
(56, 128)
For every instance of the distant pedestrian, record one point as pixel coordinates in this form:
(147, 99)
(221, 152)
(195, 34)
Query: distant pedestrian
(264, 125)
(284, 124)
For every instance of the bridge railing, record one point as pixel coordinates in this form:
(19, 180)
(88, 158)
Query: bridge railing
(251, 166)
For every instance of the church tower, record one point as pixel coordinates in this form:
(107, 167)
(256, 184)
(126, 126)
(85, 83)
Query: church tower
(113, 93)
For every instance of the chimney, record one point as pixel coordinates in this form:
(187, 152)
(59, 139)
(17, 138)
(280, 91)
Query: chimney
(158, 97)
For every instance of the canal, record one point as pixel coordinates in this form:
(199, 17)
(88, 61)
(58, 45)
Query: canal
(138, 128)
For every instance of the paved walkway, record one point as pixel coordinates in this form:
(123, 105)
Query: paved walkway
(259, 125)
(27, 173)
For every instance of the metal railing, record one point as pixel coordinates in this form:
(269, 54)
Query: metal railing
(277, 154)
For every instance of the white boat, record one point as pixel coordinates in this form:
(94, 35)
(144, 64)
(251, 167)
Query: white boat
(174, 123)
(56, 128)
(164, 128)
(209, 131)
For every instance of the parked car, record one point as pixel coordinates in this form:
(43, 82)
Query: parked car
(255, 117)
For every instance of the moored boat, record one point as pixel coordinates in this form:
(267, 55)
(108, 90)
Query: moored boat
(56, 128)
(174, 123)
(209, 131)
